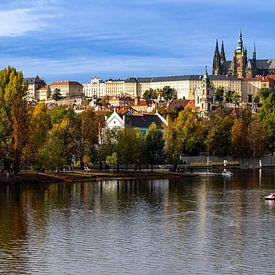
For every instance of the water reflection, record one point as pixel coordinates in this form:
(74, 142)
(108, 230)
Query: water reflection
(205, 225)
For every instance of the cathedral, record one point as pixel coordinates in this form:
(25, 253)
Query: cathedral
(241, 66)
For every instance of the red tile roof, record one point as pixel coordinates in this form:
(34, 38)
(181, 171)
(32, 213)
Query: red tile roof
(59, 83)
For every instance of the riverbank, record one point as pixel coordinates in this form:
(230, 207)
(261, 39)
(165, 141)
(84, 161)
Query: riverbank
(48, 177)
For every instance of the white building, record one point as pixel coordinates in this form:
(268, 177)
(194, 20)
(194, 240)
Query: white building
(95, 88)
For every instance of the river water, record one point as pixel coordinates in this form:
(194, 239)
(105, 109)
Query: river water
(203, 225)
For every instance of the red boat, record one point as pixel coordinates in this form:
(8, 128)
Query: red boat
(271, 196)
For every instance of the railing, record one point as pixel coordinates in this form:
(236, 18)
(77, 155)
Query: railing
(214, 163)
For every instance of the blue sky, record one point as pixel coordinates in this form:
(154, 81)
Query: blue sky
(75, 40)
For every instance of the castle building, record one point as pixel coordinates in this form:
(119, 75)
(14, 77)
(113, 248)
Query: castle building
(240, 65)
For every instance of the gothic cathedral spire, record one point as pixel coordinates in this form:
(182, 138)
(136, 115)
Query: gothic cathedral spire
(223, 59)
(216, 69)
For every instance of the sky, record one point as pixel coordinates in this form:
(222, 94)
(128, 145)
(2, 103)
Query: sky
(76, 40)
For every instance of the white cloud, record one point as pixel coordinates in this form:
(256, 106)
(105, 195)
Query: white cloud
(16, 20)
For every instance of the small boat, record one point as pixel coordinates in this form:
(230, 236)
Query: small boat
(271, 196)
(227, 173)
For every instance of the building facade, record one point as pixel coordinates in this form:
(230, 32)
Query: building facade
(94, 89)
(34, 83)
(241, 66)
(67, 88)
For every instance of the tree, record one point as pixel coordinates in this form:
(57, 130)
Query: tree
(150, 94)
(265, 92)
(235, 98)
(87, 135)
(267, 120)
(168, 93)
(52, 153)
(256, 136)
(185, 135)
(154, 145)
(63, 134)
(127, 146)
(112, 160)
(14, 117)
(218, 139)
(37, 136)
(56, 95)
(239, 133)
(219, 95)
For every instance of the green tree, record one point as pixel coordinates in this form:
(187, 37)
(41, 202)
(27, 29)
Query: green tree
(126, 146)
(150, 94)
(265, 92)
(154, 145)
(52, 153)
(219, 95)
(112, 160)
(267, 119)
(56, 94)
(168, 93)
(218, 139)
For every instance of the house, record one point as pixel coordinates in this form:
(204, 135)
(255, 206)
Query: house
(34, 83)
(135, 120)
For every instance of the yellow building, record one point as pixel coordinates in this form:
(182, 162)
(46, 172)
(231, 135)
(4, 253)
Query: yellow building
(43, 93)
(67, 88)
(114, 87)
(251, 87)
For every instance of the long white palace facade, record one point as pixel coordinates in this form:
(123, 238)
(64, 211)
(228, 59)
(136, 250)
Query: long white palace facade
(185, 85)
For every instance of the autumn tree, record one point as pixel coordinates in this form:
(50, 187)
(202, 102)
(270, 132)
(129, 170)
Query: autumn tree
(256, 136)
(62, 136)
(239, 132)
(185, 135)
(14, 117)
(37, 136)
(218, 140)
(87, 134)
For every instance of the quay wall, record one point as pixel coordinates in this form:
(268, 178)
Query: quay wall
(252, 162)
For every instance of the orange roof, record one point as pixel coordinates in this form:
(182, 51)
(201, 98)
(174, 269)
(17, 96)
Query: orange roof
(190, 104)
(46, 87)
(59, 83)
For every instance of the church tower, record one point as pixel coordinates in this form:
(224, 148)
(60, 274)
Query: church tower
(217, 69)
(204, 95)
(223, 59)
(239, 62)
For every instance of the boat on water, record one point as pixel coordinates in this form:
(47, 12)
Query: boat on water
(271, 196)
(227, 173)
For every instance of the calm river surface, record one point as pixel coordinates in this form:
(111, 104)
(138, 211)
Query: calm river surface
(204, 225)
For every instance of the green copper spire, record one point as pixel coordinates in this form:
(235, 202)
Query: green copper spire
(240, 43)
(254, 53)
(205, 76)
